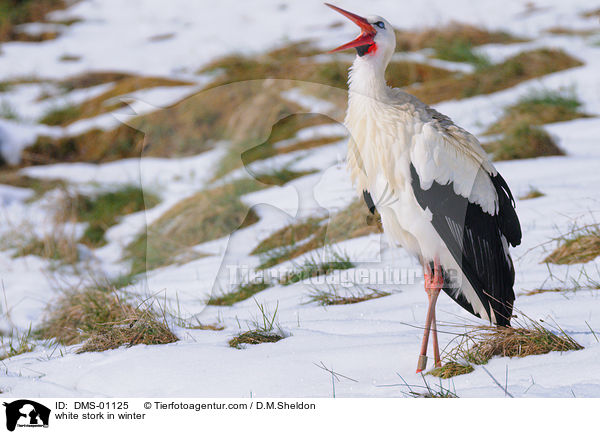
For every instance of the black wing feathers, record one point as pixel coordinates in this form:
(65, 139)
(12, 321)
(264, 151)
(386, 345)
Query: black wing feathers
(369, 201)
(474, 239)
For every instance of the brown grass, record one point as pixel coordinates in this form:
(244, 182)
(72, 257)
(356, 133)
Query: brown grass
(451, 369)
(331, 297)
(591, 13)
(523, 141)
(522, 67)
(100, 104)
(533, 193)
(560, 30)
(103, 319)
(352, 222)
(39, 186)
(57, 246)
(142, 328)
(579, 246)
(15, 12)
(295, 62)
(417, 40)
(253, 337)
(241, 292)
(480, 343)
(205, 216)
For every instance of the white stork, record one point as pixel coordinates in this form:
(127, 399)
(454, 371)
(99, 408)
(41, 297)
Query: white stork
(437, 192)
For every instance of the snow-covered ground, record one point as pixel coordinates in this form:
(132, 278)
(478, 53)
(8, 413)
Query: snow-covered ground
(370, 342)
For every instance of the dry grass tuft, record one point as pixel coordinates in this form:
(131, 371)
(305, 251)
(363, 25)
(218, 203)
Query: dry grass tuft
(57, 246)
(103, 210)
(538, 108)
(263, 330)
(560, 30)
(143, 328)
(454, 31)
(253, 337)
(205, 216)
(523, 141)
(39, 186)
(98, 316)
(451, 369)
(578, 246)
(241, 292)
(313, 267)
(533, 193)
(330, 295)
(522, 67)
(15, 12)
(101, 104)
(297, 239)
(480, 343)
(289, 235)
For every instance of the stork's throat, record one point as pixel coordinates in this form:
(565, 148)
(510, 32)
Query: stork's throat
(361, 50)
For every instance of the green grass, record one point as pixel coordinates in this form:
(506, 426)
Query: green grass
(538, 108)
(264, 329)
(523, 141)
(241, 292)
(351, 222)
(312, 268)
(330, 295)
(459, 50)
(17, 344)
(103, 210)
(484, 80)
(61, 115)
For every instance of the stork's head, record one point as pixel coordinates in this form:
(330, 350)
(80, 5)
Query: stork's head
(376, 40)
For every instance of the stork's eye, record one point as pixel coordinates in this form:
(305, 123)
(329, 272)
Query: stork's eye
(380, 24)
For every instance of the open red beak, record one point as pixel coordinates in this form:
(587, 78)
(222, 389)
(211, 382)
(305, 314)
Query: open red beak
(366, 35)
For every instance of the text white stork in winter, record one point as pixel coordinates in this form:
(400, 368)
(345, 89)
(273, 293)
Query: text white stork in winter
(437, 192)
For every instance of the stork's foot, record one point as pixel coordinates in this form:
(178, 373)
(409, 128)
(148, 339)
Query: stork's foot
(422, 363)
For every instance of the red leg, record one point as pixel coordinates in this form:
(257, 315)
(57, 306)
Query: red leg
(433, 286)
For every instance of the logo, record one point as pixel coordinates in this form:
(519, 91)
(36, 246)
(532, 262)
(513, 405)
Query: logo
(26, 413)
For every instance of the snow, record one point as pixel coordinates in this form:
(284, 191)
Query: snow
(370, 342)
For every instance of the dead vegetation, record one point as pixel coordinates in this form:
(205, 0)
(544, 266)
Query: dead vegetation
(313, 267)
(523, 141)
(241, 292)
(264, 329)
(58, 246)
(39, 186)
(102, 210)
(294, 240)
(331, 296)
(524, 66)
(538, 108)
(123, 85)
(15, 12)
(103, 320)
(533, 193)
(480, 343)
(205, 216)
(580, 245)
(296, 62)
(452, 32)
